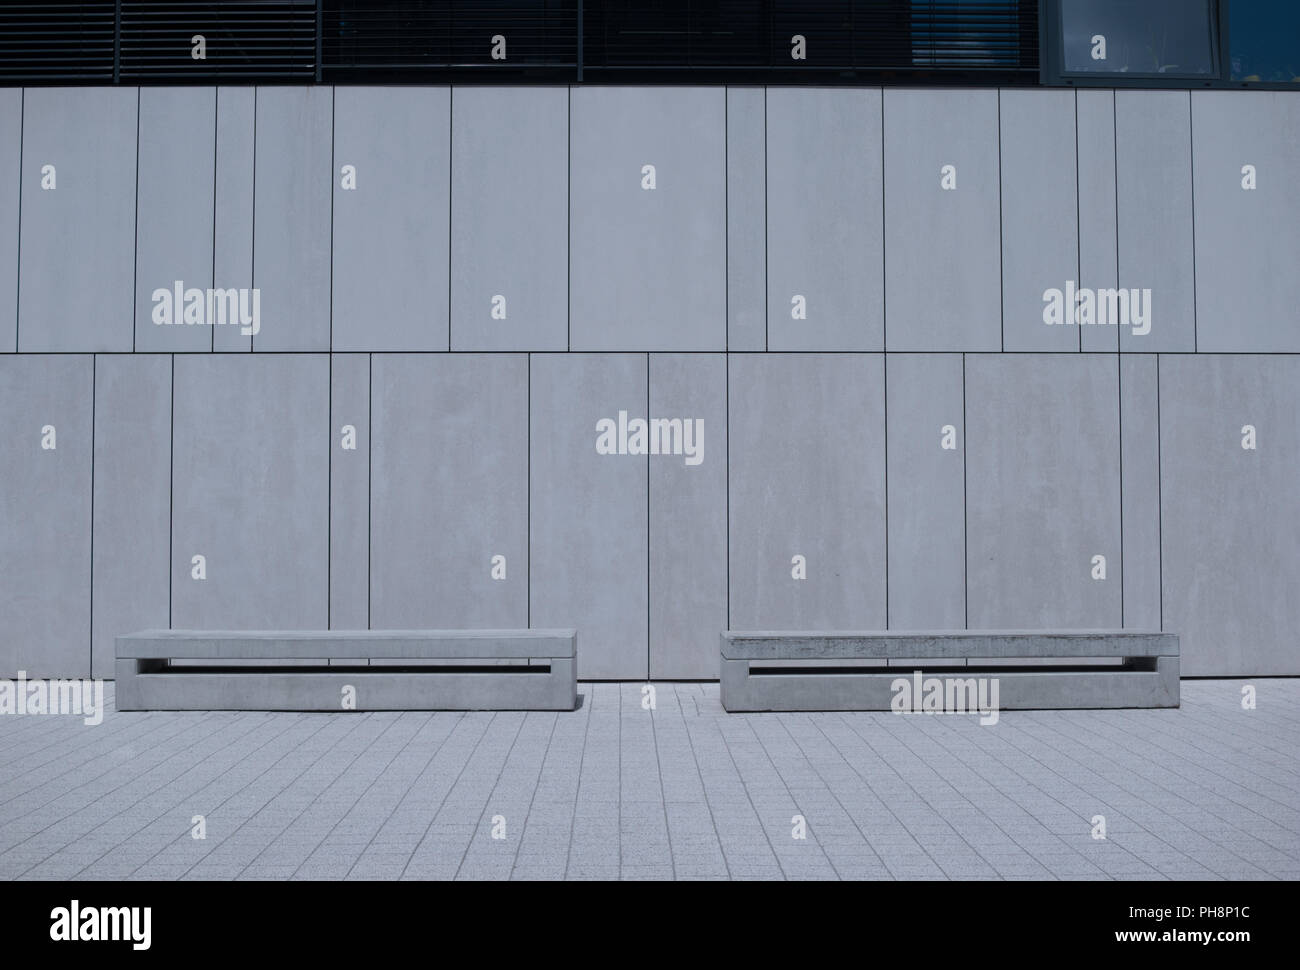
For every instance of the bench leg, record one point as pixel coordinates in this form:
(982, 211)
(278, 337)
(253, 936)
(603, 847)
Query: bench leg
(733, 683)
(126, 687)
(564, 674)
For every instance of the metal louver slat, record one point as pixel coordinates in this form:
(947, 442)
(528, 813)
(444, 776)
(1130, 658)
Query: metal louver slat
(57, 40)
(449, 38)
(256, 39)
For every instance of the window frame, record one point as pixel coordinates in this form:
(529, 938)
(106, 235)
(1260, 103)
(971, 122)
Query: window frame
(1052, 56)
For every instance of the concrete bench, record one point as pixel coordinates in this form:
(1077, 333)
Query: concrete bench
(1034, 669)
(387, 670)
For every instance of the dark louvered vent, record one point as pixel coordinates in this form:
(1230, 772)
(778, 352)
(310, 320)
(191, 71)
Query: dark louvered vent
(244, 39)
(974, 34)
(57, 41)
(439, 41)
(853, 39)
(661, 34)
(448, 39)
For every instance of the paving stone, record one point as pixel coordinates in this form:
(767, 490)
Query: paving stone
(1203, 792)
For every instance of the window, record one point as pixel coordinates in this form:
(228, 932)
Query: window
(1174, 38)
(1264, 41)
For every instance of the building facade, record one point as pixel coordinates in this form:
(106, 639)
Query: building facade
(650, 360)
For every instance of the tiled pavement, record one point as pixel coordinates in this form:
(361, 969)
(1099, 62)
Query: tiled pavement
(684, 791)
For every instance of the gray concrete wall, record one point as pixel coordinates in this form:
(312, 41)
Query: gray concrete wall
(77, 225)
(250, 491)
(449, 491)
(825, 238)
(1042, 491)
(1231, 522)
(389, 241)
(807, 494)
(175, 209)
(11, 121)
(475, 425)
(132, 500)
(45, 492)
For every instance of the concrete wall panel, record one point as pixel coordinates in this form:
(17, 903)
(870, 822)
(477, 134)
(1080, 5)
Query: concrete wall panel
(746, 219)
(1042, 491)
(174, 212)
(1140, 490)
(1230, 516)
(45, 511)
(807, 471)
(1098, 259)
(449, 491)
(588, 519)
(824, 220)
(688, 519)
(1039, 189)
(132, 510)
(11, 130)
(232, 239)
(251, 482)
(349, 491)
(927, 512)
(648, 266)
(942, 279)
(509, 218)
(1247, 240)
(1153, 145)
(291, 219)
(390, 231)
(78, 238)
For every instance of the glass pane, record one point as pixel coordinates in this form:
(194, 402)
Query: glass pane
(1150, 37)
(1265, 39)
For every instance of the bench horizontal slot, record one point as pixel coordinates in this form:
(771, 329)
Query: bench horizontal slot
(424, 670)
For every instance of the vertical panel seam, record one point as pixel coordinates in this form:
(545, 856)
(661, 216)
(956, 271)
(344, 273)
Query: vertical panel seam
(135, 231)
(1078, 209)
(333, 192)
(329, 499)
(252, 224)
(94, 378)
(171, 495)
(18, 269)
(1191, 159)
(1114, 148)
(726, 386)
(647, 522)
(451, 139)
(1123, 573)
(965, 504)
(216, 131)
(329, 430)
(1160, 504)
(1002, 286)
(884, 371)
(528, 503)
(370, 477)
(568, 229)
